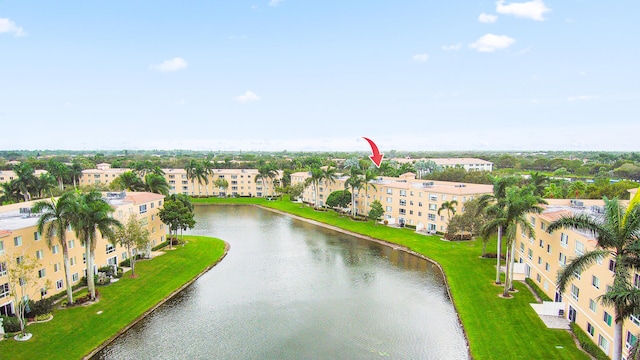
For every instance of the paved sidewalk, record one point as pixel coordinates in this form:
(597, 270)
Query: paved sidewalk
(552, 322)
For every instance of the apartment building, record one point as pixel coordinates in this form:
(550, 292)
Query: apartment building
(8, 175)
(405, 199)
(240, 182)
(546, 254)
(19, 237)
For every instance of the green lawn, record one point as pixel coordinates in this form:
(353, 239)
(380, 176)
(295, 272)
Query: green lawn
(75, 332)
(497, 328)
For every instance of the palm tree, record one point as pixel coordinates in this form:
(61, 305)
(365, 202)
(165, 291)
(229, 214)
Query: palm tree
(207, 168)
(92, 215)
(494, 203)
(59, 171)
(10, 192)
(53, 222)
(518, 203)
(156, 184)
(130, 181)
(43, 183)
(265, 173)
(26, 180)
(449, 207)
(75, 171)
(617, 233)
(192, 169)
(539, 181)
(316, 175)
(369, 177)
(355, 181)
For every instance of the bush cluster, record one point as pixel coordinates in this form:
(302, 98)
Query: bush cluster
(40, 307)
(160, 246)
(541, 294)
(11, 324)
(587, 344)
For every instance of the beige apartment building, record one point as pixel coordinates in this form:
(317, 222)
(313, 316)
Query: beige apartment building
(545, 254)
(8, 175)
(405, 199)
(241, 182)
(19, 237)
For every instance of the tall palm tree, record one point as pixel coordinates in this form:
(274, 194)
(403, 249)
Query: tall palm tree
(316, 175)
(156, 184)
(10, 192)
(26, 180)
(53, 223)
(43, 183)
(494, 203)
(59, 171)
(518, 202)
(449, 207)
(93, 215)
(368, 177)
(355, 181)
(192, 169)
(75, 171)
(617, 233)
(130, 181)
(539, 181)
(266, 172)
(207, 169)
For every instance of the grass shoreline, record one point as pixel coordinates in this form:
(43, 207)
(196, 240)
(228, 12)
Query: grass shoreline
(495, 328)
(80, 332)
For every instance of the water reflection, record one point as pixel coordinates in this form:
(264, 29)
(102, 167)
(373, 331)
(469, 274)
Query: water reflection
(292, 290)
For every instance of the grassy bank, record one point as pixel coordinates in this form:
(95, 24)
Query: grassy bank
(497, 328)
(75, 332)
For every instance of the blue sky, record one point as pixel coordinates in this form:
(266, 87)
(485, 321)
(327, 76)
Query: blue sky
(319, 75)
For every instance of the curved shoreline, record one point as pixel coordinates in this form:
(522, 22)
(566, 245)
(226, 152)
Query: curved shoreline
(160, 303)
(382, 242)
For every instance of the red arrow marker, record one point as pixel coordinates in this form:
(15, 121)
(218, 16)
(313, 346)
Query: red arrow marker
(376, 157)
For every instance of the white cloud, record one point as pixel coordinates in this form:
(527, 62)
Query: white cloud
(420, 58)
(487, 18)
(175, 64)
(8, 26)
(275, 2)
(491, 43)
(248, 96)
(534, 9)
(581, 98)
(451, 47)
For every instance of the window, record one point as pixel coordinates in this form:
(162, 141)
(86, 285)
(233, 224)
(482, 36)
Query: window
(39, 254)
(579, 248)
(3, 269)
(607, 318)
(403, 202)
(84, 258)
(73, 260)
(590, 329)
(593, 306)
(59, 284)
(635, 319)
(530, 255)
(562, 259)
(43, 292)
(74, 277)
(564, 240)
(631, 340)
(17, 241)
(403, 211)
(541, 244)
(388, 208)
(72, 244)
(433, 197)
(37, 236)
(433, 207)
(19, 259)
(110, 248)
(42, 273)
(532, 220)
(1, 248)
(419, 203)
(612, 266)
(124, 255)
(403, 192)
(152, 204)
(389, 191)
(143, 208)
(548, 249)
(539, 260)
(546, 285)
(521, 247)
(4, 290)
(538, 278)
(595, 282)
(56, 267)
(575, 292)
(542, 226)
(546, 266)
(604, 344)
(55, 249)
(431, 217)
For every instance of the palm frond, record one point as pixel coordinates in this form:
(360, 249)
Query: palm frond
(577, 266)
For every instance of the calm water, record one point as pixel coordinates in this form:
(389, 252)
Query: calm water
(292, 290)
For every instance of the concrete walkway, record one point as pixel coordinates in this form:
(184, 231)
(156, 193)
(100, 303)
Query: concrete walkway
(552, 322)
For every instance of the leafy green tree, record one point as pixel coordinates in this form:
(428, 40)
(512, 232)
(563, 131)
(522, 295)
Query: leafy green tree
(340, 199)
(222, 185)
(539, 182)
(617, 235)
(376, 210)
(368, 177)
(43, 183)
(55, 217)
(59, 171)
(177, 214)
(449, 207)
(132, 236)
(295, 191)
(266, 173)
(577, 188)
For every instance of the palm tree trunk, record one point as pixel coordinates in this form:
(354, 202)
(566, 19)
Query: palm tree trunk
(90, 283)
(505, 293)
(67, 275)
(499, 254)
(617, 336)
(512, 260)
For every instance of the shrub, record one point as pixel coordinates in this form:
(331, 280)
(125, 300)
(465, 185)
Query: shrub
(160, 246)
(458, 237)
(386, 222)
(11, 324)
(587, 344)
(40, 307)
(43, 317)
(412, 227)
(541, 294)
